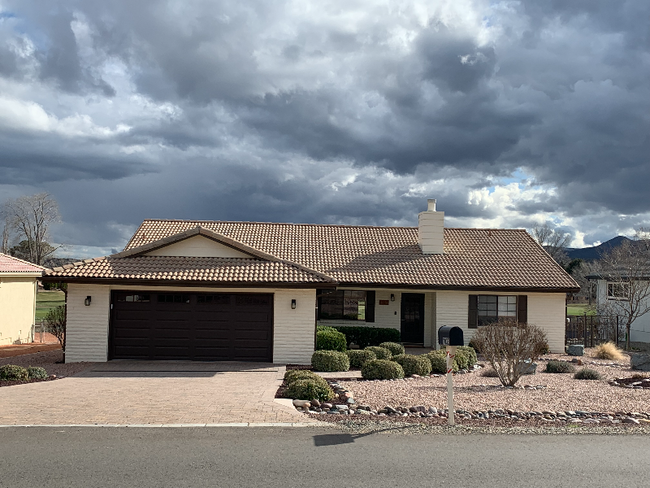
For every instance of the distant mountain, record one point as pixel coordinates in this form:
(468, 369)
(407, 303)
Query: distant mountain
(57, 262)
(594, 253)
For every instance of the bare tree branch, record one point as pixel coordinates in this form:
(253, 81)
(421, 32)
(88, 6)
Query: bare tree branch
(554, 241)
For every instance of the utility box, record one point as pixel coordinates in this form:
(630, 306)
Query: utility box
(450, 336)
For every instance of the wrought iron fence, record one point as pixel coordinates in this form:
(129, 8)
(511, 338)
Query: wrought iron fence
(592, 330)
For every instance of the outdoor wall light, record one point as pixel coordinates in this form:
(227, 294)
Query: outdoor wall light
(293, 303)
(87, 301)
(392, 297)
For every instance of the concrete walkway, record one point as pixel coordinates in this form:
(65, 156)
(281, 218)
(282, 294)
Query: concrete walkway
(153, 393)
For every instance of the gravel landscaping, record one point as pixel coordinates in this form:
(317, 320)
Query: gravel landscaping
(50, 360)
(539, 401)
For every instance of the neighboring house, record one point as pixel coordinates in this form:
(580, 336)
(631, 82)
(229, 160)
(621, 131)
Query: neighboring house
(18, 287)
(208, 290)
(612, 296)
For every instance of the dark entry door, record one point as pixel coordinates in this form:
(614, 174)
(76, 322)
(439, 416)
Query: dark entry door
(412, 328)
(196, 326)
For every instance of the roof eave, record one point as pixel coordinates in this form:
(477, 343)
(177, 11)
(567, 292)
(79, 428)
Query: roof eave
(185, 283)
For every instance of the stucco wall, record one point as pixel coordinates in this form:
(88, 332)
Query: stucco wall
(17, 308)
(87, 328)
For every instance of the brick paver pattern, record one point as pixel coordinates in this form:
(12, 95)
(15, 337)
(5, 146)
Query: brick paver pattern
(176, 395)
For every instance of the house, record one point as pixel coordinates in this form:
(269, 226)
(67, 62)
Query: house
(209, 290)
(18, 287)
(618, 295)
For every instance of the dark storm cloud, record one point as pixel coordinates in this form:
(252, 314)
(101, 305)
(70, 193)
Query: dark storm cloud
(329, 113)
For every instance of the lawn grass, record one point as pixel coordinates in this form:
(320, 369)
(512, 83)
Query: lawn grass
(579, 309)
(46, 300)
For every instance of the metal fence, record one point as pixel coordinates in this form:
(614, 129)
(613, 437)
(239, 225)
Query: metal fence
(592, 330)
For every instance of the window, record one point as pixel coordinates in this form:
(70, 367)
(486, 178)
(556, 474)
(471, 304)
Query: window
(134, 298)
(346, 305)
(173, 298)
(487, 309)
(214, 299)
(618, 291)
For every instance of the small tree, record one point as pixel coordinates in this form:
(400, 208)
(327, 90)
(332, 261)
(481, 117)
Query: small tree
(626, 269)
(507, 344)
(55, 324)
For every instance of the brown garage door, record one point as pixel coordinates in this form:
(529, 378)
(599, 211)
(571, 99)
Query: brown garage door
(196, 326)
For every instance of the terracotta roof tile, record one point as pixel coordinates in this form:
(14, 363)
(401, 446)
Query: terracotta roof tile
(10, 264)
(473, 258)
(210, 270)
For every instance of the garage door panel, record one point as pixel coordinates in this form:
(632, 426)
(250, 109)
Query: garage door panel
(181, 325)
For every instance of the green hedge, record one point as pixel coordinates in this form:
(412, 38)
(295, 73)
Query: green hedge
(310, 389)
(395, 348)
(330, 339)
(11, 372)
(358, 357)
(330, 361)
(382, 369)
(439, 362)
(36, 373)
(368, 336)
(380, 352)
(299, 374)
(414, 364)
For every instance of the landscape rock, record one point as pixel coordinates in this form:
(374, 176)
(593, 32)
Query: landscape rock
(576, 350)
(640, 362)
(302, 403)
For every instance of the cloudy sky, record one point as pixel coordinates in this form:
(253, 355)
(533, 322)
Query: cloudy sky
(510, 113)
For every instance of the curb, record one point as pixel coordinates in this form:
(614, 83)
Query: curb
(166, 426)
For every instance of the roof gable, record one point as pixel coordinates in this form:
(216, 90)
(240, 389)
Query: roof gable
(199, 246)
(14, 266)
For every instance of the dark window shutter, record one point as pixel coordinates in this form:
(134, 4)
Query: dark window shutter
(370, 306)
(318, 303)
(472, 317)
(522, 309)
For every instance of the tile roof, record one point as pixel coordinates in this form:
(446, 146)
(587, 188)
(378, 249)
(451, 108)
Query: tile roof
(10, 264)
(188, 269)
(363, 255)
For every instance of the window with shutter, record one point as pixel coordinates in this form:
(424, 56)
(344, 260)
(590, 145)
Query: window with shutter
(487, 309)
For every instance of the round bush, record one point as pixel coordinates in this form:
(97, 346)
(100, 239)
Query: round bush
(11, 372)
(471, 353)
(358, 357)
(330, 361)
(412, 364)
(299, 374)
(554, 366)
(394, 348)
(330, 339)
(382, 369)
(310, 389)
(438, 361)
(36, 373)
(461, 359)
(380, 352)
(587, 374)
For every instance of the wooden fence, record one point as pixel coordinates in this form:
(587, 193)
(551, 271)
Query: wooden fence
(592, 330)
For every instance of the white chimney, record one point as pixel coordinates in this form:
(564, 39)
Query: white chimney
(431, 225)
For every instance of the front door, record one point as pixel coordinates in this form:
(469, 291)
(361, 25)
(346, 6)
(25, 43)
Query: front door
(412, 327)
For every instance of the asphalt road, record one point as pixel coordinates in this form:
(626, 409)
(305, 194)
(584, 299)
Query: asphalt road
(313, 457)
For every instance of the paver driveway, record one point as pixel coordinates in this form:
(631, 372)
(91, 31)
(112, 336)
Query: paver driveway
(170, 392)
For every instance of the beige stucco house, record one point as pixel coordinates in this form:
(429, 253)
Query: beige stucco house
(210, 290)
(18, 287)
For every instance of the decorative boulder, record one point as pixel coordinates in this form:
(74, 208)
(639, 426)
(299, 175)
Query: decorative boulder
(576, 350)
(640, 362)
(528, 367)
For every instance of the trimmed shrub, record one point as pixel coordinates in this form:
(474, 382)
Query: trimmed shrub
(11, 372)
(554, 366)
(393, 347)
(382, 369)
(412, 364)
(358, 357)
(608, 350)
(471, 353)
(438, 361)
(380, 352)
(36, 373)
(310, 389)
(330, 339)
(587, 374)
(298, 374)
(330, 361)
(368, 336)
(461, 359)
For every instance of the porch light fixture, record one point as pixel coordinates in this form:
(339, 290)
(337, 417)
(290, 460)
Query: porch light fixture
(392, 297)
(293, 303)
(87, 301)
